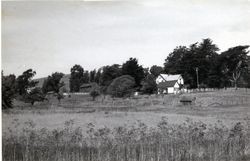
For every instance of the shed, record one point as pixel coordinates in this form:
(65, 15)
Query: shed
(86, 87)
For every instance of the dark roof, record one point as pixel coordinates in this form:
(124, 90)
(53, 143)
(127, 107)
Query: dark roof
(167, 84)
(87, 85)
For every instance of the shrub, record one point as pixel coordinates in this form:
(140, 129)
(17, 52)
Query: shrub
(8, 91)
(95, 91)
(122, 86)
(35, 95)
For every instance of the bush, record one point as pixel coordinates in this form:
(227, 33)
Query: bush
(8, 91)
(95, 91)
(122, 86)
(35, 95)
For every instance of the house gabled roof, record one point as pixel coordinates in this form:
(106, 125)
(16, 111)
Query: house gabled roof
(168, 77)
(167, 84)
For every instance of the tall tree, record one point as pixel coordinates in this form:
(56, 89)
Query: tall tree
(53, 83)
(156, 70)
(92, 75)
(185, 61)
(25, 81)
(206, 55)
(148, 84)
(174, 62)
(98, 76)
(215, 76)
(132, 68)
(109, 73)
(76, 78)
(8, 90)
(233, 63)
(85, 78)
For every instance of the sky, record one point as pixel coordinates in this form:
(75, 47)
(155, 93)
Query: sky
(52, 36)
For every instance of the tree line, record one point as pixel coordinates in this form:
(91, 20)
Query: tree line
(215, 70)
(200, 62)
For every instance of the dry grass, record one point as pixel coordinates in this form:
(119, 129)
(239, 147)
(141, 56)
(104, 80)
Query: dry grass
(191, 141)
(80, 129)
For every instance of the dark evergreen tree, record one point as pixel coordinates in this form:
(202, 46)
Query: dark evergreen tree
(98, 76)
(148, 84)
(92, 75)
(233, 63)
(85, 78)
(76, 78)
(156, 70)
(199, 56)
(132, 68)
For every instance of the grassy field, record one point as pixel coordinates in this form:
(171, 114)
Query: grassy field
(214, 127)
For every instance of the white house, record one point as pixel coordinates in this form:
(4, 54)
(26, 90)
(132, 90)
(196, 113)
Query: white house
(169, 83)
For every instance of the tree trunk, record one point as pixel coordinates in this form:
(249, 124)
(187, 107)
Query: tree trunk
(235, 85)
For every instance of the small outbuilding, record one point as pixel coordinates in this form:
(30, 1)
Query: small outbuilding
(169, 83)
(86, 87)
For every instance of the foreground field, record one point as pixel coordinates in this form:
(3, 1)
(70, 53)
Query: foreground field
(190, 141)
(215, 127)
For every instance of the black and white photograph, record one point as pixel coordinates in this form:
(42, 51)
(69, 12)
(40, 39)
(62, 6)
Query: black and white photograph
(125, 80)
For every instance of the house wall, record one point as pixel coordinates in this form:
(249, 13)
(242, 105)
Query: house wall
(176, 85)
(170, 89)
(180, 80)
(159, 79)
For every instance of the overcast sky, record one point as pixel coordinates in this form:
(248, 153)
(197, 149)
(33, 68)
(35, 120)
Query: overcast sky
(53, 36)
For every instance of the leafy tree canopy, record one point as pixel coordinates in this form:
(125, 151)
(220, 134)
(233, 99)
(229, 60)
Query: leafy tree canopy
(25, 81)
(185, 60)
(132, 68)
(109, 73)
(148, 84)
(233, 63)
(122, 86)
(8, 90)
(35, 95)
(76, 78)
(156, 70)
(53, 83)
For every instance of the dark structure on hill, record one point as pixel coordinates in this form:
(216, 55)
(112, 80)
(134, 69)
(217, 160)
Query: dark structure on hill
(86, 87)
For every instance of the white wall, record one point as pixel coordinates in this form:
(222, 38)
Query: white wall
(170, 89)
(180, 80)
(158, 79)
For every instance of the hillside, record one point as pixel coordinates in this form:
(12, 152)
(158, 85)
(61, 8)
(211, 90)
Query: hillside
(65, 79)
